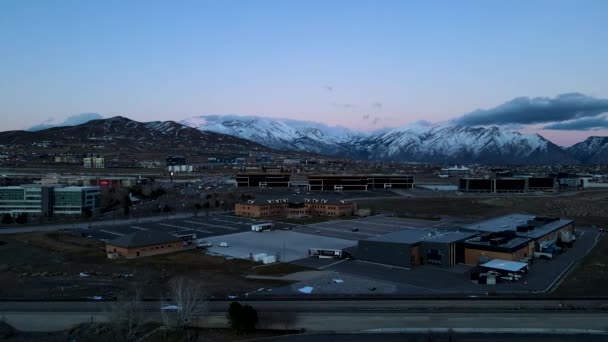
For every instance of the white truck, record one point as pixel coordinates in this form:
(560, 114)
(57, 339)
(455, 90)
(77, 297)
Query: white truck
(262, 227)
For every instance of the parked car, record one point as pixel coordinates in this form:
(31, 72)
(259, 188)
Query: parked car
(203, 244)
(223, 244)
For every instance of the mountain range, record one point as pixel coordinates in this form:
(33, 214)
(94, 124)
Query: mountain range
(126, 137)
(419, 142)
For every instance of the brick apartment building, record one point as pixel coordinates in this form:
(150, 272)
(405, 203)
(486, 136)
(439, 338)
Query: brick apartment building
(295, 208)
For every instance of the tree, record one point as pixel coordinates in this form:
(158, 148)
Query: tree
(167, 208)
(196, 208)
(126, 316)
(22, 218)
(87, 212)
(242, 319)
(191, 300)
(7, 219)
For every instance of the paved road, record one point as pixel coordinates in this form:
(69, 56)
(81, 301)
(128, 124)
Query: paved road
(435, 337)
(343, 316)
(320, 305)
(67, 226)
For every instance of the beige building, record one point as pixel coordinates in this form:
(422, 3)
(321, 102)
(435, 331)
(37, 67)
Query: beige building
(144, 243)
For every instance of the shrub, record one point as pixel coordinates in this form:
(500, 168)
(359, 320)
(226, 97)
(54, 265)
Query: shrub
(242, 319)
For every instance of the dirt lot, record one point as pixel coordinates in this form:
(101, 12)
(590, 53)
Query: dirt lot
(590, 277)
(49, 265)
(587, 208)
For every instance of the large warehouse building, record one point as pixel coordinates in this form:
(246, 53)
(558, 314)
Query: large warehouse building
(359, 182)
(262, 180)
(412, 247)
(507, 184)
(513, 237)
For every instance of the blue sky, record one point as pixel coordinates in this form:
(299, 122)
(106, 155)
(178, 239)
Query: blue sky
(333, 61)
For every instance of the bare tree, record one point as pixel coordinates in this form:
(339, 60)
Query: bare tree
(190, 299)
(126, 316)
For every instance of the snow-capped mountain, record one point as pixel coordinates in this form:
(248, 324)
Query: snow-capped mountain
(460, 144)
(419, 142)
(593, 150)
(282, 134)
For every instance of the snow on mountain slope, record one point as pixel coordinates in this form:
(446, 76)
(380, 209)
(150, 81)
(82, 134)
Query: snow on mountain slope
(285, 134)
(593, 150)
(418, 142)
(454, 143)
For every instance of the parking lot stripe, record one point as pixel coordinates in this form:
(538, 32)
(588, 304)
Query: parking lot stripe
(231, 222)
(138, 228)
(211, 225)
(173, 226)
(340, 231)
(332, 264)
(380, 231)
(111, 232)
(394, 226)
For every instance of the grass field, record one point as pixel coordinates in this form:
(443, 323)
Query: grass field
(49, 265)
(586, 208)
(590, 276)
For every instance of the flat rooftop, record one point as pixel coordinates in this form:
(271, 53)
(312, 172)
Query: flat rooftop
(510, 222)
(515, 243)
(413, 236)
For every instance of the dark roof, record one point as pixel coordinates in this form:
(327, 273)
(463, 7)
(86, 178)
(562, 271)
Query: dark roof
(144, 238)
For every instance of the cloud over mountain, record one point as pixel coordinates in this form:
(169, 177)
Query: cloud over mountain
(69, 121)
(585, 124)
(525, 110)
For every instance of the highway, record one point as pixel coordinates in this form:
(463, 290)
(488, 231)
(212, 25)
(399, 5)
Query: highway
(338, 305)
(350, 315)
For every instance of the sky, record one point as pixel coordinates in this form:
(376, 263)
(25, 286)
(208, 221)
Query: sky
(359, 64)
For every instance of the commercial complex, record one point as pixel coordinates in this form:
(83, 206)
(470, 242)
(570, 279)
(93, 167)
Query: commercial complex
(514, 237)
(263, 180)
(359, 182)
(93, 162)
(49, 200)
(507, 184)
(325, 182)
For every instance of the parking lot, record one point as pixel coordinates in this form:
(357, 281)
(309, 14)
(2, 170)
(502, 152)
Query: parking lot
(203, 227)
(365, 228)
(287, 245)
